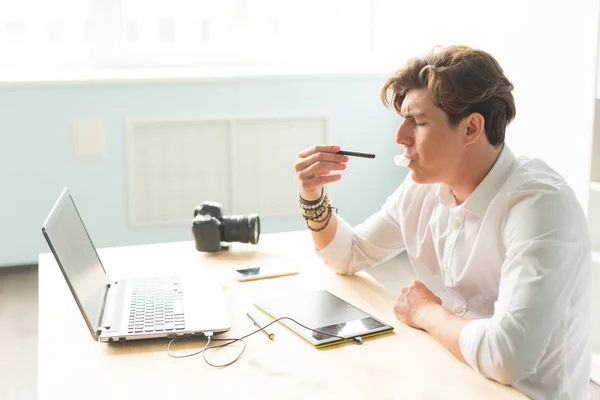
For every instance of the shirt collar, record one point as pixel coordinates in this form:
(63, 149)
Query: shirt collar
(482, 196)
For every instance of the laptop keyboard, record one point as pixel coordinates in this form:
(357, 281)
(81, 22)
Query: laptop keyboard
(156, 306)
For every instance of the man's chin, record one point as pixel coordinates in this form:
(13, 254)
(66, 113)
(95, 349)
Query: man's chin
(421, 178)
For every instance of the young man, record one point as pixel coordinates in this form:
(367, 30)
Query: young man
(499, 244)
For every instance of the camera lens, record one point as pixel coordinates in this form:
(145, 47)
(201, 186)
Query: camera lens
(241, 228)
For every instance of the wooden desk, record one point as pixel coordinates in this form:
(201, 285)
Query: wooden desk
(407, 364)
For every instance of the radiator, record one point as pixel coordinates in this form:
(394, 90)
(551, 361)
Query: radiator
(244, 163)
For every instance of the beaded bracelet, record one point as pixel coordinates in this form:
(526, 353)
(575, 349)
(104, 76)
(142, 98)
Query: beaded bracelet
(311, 204)
(316, 213)
(318, 210)
(326, 220)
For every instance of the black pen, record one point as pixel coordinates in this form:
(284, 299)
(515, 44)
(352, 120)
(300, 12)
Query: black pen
(355, 154)
(269, 335)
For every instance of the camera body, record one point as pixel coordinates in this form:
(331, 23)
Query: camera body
(213, 230)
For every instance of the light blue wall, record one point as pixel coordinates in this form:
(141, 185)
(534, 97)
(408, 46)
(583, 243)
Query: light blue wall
(36, 155)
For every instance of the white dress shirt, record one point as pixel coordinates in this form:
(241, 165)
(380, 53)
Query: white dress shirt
(515, 255)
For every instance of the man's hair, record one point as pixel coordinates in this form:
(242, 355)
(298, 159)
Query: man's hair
(460, 81)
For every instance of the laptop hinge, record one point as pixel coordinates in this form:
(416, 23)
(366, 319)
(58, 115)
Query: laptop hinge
(103, 326)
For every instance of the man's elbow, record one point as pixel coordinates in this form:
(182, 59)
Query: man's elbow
(343, 268)
(503, 354)
(508, 375)
(509, 369)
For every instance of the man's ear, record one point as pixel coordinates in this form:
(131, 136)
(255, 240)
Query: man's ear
(474, 127)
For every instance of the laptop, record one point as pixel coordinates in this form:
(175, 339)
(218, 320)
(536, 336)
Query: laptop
(130, 309)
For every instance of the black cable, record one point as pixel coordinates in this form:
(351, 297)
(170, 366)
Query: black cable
(187, 355)
(209, 336)
(229, 341)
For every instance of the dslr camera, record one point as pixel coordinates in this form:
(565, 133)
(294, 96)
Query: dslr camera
(213, 231)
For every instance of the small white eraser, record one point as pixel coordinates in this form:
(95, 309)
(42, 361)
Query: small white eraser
(401, 160)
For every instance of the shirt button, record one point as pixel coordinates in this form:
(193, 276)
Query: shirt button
(457, 225)
(459, 309)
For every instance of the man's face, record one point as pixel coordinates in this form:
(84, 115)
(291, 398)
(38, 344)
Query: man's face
(434, 147)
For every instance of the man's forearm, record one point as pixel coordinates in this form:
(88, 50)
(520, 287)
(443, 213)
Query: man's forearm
(324, 237)
(444, 327)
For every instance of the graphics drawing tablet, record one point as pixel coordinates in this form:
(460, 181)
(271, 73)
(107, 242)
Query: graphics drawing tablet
(324, 312)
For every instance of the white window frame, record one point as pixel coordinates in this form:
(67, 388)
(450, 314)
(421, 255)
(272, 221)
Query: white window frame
(106, 56)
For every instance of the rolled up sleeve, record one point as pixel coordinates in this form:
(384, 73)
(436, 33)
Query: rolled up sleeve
(546, 254)
(376, 240)
(337, 253)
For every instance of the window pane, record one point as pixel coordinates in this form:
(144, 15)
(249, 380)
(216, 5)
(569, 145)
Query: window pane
(142, 33)
(37, 34)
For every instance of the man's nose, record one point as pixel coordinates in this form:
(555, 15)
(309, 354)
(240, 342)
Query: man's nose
(403, 135)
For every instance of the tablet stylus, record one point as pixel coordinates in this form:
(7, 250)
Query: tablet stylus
(269, 335)
(355, 154)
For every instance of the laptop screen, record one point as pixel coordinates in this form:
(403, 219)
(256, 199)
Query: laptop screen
(75, 254)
